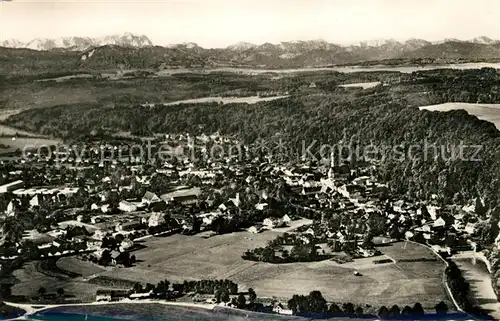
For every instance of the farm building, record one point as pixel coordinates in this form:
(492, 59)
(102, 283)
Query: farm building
(110, 295)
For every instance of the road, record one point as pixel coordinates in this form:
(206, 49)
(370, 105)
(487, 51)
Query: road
(476, 273)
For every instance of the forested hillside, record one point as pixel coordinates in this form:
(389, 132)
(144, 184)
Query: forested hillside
(284, 55)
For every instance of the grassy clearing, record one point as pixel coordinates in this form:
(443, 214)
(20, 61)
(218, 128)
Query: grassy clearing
(31, 277)
(73, 264)
(21, 143)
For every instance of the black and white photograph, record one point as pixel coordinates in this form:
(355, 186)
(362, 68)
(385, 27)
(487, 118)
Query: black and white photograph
(249, 160)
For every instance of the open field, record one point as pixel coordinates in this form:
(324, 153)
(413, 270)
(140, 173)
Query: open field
(489, 112)
(69, 77)
(180, 257)
(364, 85)
(225, 100)
(84, 268)
(33, 276)
(7, 132)
(24, 143)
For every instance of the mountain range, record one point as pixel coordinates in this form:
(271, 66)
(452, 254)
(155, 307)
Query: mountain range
(132, 51)
(140, 41)
(79, 43)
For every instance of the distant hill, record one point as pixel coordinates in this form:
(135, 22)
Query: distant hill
(457, 49)
(131, 52)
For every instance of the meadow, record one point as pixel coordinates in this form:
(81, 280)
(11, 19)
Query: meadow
(489, 112)
(181, 257)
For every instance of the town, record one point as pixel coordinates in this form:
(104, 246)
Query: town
(89, 221)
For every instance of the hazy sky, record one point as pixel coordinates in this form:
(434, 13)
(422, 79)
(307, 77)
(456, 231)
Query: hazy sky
(217, 23)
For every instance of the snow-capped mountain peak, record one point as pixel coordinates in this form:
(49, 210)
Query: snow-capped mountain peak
(12, 43)
(190, 45)
(241, 46)
(80, 43)
(484, 40)
(377, 43)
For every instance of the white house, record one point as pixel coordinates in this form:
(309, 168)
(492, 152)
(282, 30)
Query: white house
(439, 222)
(156, 219)
(278, 308)
(260, 206)
(286, 219)
(126, 244)
(432, 211)
(304, 239)
(207, 220)
(140, 295)
(34, 201)
(99, 235)
(69, 191)
(424, 228)
(126, 206)
(236, 201)
(309, 231)
(271, 223)
(94, 244)
(470, 228)
(254, 229)
(10, 209)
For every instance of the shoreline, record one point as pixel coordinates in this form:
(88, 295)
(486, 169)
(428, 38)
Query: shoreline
(33, 309)
(180, 311)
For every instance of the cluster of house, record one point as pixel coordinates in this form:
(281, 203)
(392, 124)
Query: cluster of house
(354, 194)
(35, 195)
(270, 223)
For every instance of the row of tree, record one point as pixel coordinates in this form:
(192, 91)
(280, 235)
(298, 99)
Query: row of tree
(314, 303)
